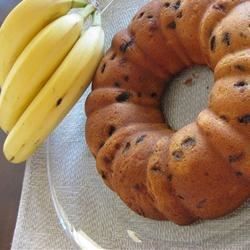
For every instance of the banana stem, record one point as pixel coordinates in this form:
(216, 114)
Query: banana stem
(88, 10)
(97, 20)
(79, 3)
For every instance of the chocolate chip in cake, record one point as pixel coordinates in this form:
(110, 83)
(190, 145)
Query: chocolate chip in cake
(172, 25)
(178, 155)
(112, 129)
(201, 203)
(117, 85)
(238, 174)
(138, 187)
(141, 15)
(243, 35)
(126, 78)
(189, 143)
(170, 177)
(177, 5)
(127, 147)
(140, 139)
(107, 160)
(166, 5)
(240, 84)
(126, 45)
(244, 119)
(224, 118)
(179, 15)
(103, 67)
(59, 101)
(113, 56)
(101, 145)
(140, 211)
(103, 175)
(226, 38)
(213, 43)
(180, 197)
(156, 168)
(153, 95)
(240, 67)
(219, 7)
(236, 157)
(123, 97)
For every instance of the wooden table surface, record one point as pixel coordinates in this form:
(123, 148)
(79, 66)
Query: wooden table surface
(11, 176)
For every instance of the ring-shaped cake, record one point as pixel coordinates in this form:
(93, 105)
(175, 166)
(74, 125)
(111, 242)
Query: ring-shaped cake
(201, 171)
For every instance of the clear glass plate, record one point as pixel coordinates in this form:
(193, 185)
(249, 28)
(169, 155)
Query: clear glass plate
(91, 214)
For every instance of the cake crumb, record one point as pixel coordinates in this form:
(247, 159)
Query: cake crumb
(189, 81)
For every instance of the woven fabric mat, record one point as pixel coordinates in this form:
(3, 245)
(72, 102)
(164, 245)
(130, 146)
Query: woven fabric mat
(37, 224)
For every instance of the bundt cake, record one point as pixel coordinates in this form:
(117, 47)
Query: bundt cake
(201, 171)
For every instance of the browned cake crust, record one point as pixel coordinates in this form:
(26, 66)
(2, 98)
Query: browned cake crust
(129, 176)
(108, 152)
(201, 171)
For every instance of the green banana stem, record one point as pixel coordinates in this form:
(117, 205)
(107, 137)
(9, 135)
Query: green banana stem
(79, 3)
(97, 20)
(86, 11)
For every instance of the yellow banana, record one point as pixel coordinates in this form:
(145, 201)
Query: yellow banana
(37, 63)
(58, 96)
(23, 23)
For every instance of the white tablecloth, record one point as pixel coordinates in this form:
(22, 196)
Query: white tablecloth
(37, 224)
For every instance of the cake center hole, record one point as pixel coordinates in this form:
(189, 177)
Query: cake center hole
(186, 96)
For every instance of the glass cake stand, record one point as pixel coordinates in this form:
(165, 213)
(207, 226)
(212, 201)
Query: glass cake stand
(91, 214)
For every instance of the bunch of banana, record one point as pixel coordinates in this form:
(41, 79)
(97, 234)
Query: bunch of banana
(26, 21)
(44, 70)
